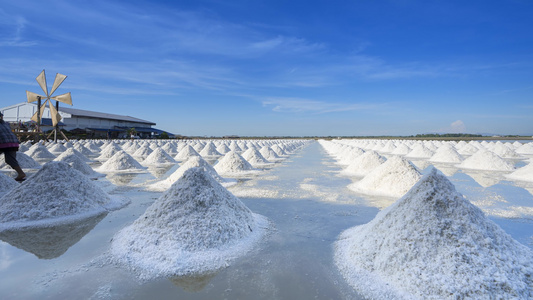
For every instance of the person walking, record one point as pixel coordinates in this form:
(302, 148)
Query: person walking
(9, 145)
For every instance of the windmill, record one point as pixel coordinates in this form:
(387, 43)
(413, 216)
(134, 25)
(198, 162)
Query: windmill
(54, 114)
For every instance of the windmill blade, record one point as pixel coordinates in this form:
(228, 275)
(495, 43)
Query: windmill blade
(65, 98)
(41, 111)
(32, 97)
(57, 82)
(41, 79)
(54, 115)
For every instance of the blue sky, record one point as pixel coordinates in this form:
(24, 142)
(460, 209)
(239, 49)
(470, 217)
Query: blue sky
(290, 68)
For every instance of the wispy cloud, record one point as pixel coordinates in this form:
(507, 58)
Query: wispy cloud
(287, 104)
(12, 27)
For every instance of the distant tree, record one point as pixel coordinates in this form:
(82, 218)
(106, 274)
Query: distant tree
(164, 136)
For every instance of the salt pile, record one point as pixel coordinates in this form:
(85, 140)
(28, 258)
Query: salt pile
(195, 227)
(209, 150)
(402, 149)
(108, 152)
(364, 164)
(121, 162)
(526, 148)
(434, 244)
(223, 149)
(486, 160)
(57, 148)
(56, 193)
(234, 147)
(25, 162)
(419, 151)
(82, 149)
(279, 151)
(6, 184)
(193, 162)
(524, 173)
(142, 152)
(392, 178)
(170, 148)
(39, 152)
(158, 157)
(255, 158)
(74, 160)
(186, 153)
(269, 154)
(446, 154)
(234, 164)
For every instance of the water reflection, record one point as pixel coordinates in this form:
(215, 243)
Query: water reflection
(159, 172)
(121, 179)
(484, 179)
(446, 170)
(51, 241)
(194, 283)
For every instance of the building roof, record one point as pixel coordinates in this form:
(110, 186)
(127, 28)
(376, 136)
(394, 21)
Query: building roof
(100, 115)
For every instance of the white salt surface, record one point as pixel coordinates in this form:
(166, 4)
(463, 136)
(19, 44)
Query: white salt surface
(121, 162)
(393, 178)
(254, 157)
(39, 151)
(186, 153)
(74, 160)
(25, 162)
(446, 154)
(486, 160)
(55, 194)
(434, 244)
(195, 227)
(7, 183)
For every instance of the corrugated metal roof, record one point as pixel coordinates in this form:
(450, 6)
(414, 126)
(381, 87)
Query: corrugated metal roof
(95, 114)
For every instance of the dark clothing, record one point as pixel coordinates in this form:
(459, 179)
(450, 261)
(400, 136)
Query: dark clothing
(10, 155)
(6, 135)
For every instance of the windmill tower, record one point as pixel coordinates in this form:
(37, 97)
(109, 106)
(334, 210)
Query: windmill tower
(54, 114)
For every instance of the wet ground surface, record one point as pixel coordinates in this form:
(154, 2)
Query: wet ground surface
(307, 202)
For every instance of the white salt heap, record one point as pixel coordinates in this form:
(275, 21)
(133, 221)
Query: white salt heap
(364, 164)
(55, 194)
(158, 157)
(186, 153)
(25, 162)
(192, 162)
(121, 162)
(74, 160)
(6, 183)
(420, 151)
(393, 178)
(234, 164)
(269, 154)
(486, 160)
(255, 158)
(209, 150)
(526, 148)
(446, 154)
(142, 152)
(57, 148)
(524, 173)
(39, 152)
(434, 244)
(195, 227)
(108, 152)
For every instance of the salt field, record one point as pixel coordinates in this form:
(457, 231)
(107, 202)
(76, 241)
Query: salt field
(269, 219)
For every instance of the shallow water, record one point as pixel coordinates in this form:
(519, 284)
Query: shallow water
(303, 196)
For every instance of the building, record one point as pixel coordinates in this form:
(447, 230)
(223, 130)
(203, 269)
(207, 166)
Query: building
(97, 124)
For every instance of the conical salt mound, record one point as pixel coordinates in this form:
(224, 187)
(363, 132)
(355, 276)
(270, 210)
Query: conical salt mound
(56, 193)
(25, 162)
(77, 163)
(108, 152)
(143, 152)
(6, 184)
(209, 150)
(82, 149)
(158, 157)
(57, 148)
(526, 148)
(486, 160)
(364, 164)
(446, 154)
(39, 152)
(524, 173)
(392, 178)
(121, 162)
(269, 154)
(186, 153)
(233, 164)
(223, 149)
(195, 227)
(193, 162)
(255, 158)
(420, 151)
(402, 149)
(434, 244)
